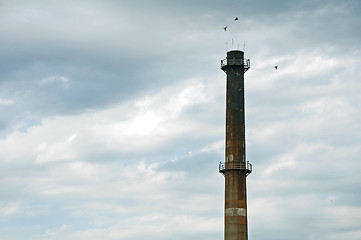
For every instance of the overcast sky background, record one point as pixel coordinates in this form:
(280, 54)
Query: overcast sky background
(112, 118)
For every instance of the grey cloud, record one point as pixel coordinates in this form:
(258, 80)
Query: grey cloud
(79, 82)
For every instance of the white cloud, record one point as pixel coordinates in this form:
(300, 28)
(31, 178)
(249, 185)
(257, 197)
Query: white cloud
(4, 101)
(217, 146)
(113, 115)
(157, 225)
(54, 233)
(61, 81)
(9, 208)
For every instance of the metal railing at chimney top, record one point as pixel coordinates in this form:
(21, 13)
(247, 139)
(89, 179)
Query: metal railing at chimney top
(236, 62)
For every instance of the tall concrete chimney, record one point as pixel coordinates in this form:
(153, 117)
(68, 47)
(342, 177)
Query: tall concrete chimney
(235, 168)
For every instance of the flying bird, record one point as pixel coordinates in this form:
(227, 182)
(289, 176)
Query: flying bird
(276, 67)
(225, 28)
(236, 19)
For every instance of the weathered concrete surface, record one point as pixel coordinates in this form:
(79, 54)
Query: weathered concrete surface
(235, 179)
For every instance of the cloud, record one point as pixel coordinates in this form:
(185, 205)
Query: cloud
(9, 208)
(112, 118)
(61, 81)
(6, 101)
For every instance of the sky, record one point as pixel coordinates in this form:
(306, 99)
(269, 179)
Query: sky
(112, 118)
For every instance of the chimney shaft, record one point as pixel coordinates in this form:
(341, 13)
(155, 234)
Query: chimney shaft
(235, 169)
